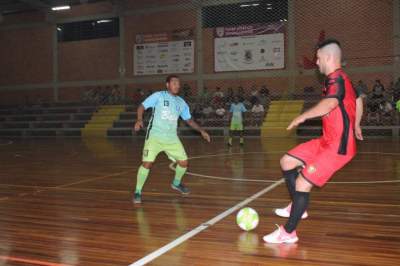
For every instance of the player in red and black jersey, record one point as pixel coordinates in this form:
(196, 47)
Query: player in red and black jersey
(313, 163)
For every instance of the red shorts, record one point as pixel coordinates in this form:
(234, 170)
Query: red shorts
(320, 161)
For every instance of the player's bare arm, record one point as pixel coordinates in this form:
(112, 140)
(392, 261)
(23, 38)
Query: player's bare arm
(359, 114)
(196, 127)
(139, 121)
(324, 107)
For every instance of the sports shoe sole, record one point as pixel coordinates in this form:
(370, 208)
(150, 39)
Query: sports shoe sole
(184, 193)
(289, 241)
(137, 201)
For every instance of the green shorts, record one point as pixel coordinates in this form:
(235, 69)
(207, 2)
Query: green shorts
(152, 147)
(236, 126)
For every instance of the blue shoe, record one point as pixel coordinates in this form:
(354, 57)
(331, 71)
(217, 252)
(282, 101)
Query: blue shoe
(137, 198)
(181, 188)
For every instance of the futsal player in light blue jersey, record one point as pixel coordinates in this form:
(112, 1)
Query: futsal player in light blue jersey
(162, 135)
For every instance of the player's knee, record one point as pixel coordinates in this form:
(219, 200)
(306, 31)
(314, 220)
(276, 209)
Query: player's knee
(286, 163)
(303, 185)
(183, 164)
(147, 165)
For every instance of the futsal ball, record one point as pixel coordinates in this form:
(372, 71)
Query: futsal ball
(247, 219)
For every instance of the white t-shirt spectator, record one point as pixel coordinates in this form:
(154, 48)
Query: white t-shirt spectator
(208, 110)
(220, 112)
(219, 94)
(257, 108)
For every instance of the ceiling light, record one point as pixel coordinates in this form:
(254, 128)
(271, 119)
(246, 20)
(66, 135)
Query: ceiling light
(58, 8)
(248, 5)
(104, 21)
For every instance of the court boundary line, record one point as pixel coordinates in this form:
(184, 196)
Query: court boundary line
(50, 188)
(203, 226)
(271, 181)
(31, 261)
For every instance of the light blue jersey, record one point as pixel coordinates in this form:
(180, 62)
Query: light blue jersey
(167, 109)
(237, 109)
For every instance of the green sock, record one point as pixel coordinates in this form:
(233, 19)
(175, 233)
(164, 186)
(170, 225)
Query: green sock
(230, 141)
(241, 140)
(179, 172)
(141, 178)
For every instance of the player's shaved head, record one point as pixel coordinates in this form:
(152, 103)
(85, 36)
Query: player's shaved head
(329, 56)
(333, 50)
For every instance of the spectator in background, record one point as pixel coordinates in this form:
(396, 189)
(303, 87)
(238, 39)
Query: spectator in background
(229, 96)
(362, 89)
(264, 90)
(373, 110)
(258, 112)
(204, 96)
(220, 112)
(378, 90)
(87, 95)
(257, 108)
(197, 114)
(386, 107)
(218, 96)
(115, 96)
(389, 92)
(241, 94)
(208, 111)
(247, 103)
(218, 93)
(386, 110)
(265, 98)
(396, 92)
(254, 94)
(97, 95)
(105, 95)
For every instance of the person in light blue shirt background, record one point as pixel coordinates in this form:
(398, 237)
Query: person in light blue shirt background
(236, 117)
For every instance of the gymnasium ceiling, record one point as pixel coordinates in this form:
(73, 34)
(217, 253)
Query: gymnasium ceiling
(21, 6)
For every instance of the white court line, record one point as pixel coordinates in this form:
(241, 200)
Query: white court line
(271, 181)
(157, 253)
(171, 166)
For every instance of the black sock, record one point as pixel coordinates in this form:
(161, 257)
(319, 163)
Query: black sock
(299, 206)
(290, 178)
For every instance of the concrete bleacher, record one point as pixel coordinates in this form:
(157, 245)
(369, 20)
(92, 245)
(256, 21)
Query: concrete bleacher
(44, 121)
(68, 119)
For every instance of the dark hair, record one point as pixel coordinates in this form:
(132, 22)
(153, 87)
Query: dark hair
(169, 77)
(327, 42)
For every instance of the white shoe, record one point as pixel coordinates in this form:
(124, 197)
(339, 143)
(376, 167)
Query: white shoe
(285, 212)
(281, 236)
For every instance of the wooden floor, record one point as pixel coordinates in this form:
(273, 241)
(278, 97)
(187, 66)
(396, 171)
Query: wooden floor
(68, 202)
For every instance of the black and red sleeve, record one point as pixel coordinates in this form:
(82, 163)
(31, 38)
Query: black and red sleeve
(334, 88)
